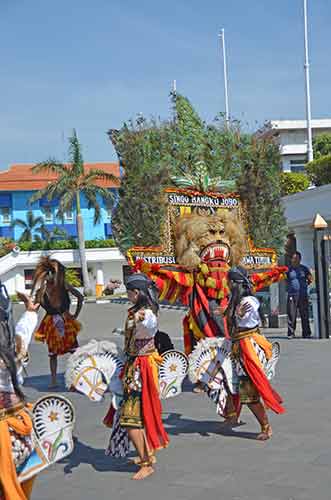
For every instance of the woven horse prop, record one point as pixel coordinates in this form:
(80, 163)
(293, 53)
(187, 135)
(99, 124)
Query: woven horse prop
(96, 369)
(214, 366)
(53, 419)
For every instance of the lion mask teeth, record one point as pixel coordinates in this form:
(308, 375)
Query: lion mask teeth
(215, 251)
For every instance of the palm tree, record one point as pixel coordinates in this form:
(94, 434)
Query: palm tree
(49, 236)
(30, 225)
(72, 181)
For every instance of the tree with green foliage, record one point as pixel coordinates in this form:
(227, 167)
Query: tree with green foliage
(49, 236)
(259, 187)
(144, 151)
(56, 233)
(73, 181)
(293, 182)
(72, 277)
(188, 152)
(6, 246)
(31, 225)
(319, 170)
(322, 145)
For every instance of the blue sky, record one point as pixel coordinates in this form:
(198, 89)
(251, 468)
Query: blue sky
(94, 64)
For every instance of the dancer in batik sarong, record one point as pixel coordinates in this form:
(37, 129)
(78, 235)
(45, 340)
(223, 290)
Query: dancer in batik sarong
(15, 421)
(59, 328)
(141, 409)
(247, 342)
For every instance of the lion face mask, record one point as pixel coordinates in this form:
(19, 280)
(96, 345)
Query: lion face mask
(209, 239)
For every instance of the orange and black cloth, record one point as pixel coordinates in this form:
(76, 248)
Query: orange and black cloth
(244, 348)
(48, 332)
(20, 421)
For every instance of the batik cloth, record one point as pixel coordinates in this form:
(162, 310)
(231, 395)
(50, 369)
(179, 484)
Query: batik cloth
(131, 411)
(141, 403)
(118, 446)
(60, 332)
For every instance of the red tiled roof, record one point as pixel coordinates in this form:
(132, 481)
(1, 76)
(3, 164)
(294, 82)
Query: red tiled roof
(19, 177)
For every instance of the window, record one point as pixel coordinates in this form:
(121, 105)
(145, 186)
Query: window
(109, 209)
(109, 213)
(48, 214)
(68, 216)
(297, 165)
(28, 278)
(6, 215)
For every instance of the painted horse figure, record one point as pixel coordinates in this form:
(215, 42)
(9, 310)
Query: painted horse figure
(53, 418)
(49, 441)
(214, 366)
(97, 367)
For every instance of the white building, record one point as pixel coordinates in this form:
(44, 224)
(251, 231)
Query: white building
(292, 139)
(16, 268)
(300, 211)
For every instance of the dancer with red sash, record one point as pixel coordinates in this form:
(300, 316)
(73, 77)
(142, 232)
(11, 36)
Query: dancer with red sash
(141, 409)
(247, 342)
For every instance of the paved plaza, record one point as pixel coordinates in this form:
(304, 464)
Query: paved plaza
(203, 461)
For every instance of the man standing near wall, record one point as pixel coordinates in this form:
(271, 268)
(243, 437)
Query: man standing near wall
(298, 279)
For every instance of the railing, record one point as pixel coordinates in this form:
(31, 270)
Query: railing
(20, 258)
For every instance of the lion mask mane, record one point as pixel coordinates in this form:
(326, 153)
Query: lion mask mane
(204, 238)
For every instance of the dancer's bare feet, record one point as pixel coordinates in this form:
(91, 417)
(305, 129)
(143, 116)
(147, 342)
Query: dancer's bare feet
(265, 434)
(137, 460)
(198, 388)
(53, 384)
(231, 421)
(143, 472)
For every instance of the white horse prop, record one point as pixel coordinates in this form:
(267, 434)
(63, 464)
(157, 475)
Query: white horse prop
(96, 368)
(51, 440)
(212, 364)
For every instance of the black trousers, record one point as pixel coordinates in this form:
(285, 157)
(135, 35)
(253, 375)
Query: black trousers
(295, 302)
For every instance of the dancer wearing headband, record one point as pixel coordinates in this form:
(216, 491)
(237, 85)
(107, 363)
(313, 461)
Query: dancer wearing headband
(243, 318)
(59, 328)
(141, 409)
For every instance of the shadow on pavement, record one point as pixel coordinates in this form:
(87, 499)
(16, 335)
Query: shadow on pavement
(176, 425)
(85, 454)
(40, 383)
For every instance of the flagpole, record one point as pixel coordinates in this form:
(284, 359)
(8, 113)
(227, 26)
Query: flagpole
(225, 73)
(310, 153)
(174, 97)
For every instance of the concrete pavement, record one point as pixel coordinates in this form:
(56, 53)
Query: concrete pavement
(203, 461)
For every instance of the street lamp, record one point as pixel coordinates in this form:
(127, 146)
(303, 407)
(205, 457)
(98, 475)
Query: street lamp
(322, 252)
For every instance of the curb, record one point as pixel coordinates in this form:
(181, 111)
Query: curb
(124, 300)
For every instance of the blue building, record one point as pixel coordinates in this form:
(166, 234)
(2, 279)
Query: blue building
(18, 184)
